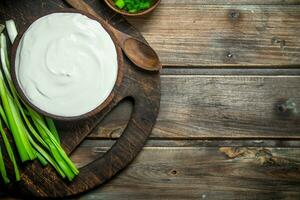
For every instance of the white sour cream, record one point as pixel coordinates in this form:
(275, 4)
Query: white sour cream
(66, 64)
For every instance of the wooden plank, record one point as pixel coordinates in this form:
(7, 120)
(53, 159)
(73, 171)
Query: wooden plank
(200, 172)
(192, 34)
(164, 171)
(197, 107)
(278, 71)
(203, 172)
(202, 143)
(235, 2)
(89, 150)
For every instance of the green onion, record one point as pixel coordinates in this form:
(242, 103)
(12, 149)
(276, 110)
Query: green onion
(10, 152)
(2, 27)
(12, 113)
(11, 30)
(47, 157)
(63, 160)
(15, 123)
(2, 169)
(52, 128)
(2, 114)
(120, 3)
(56, 151)
(38, 140)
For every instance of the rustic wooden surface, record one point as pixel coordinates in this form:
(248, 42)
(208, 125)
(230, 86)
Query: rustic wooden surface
(219, 134)
(197, 106)
(173, 172)
(193, 33)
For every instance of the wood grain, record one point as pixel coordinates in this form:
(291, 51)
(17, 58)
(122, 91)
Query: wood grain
(237, 71)
(224, 126)
(90, 150)
(161, 172)
(235, 2)
(195, 172)
(195, 106)
(193, 34)
(200, 143)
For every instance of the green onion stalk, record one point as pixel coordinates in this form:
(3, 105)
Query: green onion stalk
(34, 135)
(12, 113)
(10, 151)
(2, 165)
(2, 169)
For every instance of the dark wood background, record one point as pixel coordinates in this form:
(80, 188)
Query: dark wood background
(219, 134)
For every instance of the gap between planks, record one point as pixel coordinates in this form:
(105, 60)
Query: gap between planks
(234, 71)
(233, 2)
(178, 143)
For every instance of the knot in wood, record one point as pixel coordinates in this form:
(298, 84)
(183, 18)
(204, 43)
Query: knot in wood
(233, 14)
(229, 55)
(288, 106)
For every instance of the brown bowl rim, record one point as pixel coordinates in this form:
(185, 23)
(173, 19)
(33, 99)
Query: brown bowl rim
(144, 12)
(91, 113)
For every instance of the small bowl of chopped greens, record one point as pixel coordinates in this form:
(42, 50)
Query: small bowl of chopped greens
(132, 7)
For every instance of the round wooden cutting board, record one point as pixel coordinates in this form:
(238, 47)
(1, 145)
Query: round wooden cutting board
(141, 86)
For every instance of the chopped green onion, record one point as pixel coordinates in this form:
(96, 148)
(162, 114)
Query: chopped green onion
(133, 6)
(120, 4)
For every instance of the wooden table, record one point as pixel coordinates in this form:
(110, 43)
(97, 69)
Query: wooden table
(223, 131)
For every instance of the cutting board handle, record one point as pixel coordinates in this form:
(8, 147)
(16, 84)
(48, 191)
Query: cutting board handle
(49, 184)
